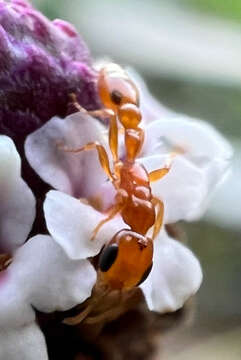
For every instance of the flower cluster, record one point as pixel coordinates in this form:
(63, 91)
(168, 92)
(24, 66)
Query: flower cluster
(39, 275)
(43, 63)
(176, 273)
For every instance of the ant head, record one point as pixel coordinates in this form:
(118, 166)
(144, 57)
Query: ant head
(108, 257)
(115, 88)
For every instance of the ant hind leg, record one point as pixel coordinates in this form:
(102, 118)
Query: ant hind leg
(112, 213)
(159, 217)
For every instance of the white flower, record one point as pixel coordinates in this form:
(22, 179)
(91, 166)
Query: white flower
(176, 273)
(175, 276)
(76, 175)
(40, 275)
(185, 190)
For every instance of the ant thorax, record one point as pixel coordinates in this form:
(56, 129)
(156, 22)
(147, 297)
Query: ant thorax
(139, 212)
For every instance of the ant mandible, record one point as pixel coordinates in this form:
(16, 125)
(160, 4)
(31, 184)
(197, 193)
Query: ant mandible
(127, 260)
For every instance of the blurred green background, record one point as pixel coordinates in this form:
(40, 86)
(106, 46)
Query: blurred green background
(189, 53)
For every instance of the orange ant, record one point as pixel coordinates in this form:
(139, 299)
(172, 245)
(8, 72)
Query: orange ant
(127, 260)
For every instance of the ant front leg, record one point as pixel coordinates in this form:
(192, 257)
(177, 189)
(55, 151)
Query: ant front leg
(75, 320)
(101, 113)
(159, 217)
(103, 157)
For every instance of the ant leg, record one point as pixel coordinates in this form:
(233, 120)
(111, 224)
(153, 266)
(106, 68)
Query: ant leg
(75, 320)
(121, 198)
(113, 138)
(101, 113)
(5, 261)
(107, 315)
(112, 213)
(156, 175)
(103, 157)
(159, 217)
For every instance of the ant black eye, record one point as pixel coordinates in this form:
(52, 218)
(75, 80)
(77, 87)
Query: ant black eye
(145, 275)
(116, 97)
(108, 257)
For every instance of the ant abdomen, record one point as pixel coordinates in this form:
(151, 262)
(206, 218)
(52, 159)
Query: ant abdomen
(126, 260)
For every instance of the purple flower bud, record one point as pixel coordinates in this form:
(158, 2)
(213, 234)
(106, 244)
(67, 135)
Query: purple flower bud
(41, 63)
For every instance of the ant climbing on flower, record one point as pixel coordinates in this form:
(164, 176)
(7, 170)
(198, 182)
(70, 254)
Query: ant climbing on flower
(127, 260)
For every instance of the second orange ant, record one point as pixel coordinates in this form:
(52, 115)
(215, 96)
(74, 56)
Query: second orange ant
(126, 260)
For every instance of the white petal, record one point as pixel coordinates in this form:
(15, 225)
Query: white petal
(201, 141)
(204, 146)
(15, 309)
(228, 196)
(17, 210)
(71, 223)
(20, 337)
(182, 190)
(50, 280)
(77, 174)
(23, 343)
(207, 153)
(176, 275)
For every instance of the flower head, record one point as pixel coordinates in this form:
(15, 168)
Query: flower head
(41, 63)
(197, 157)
